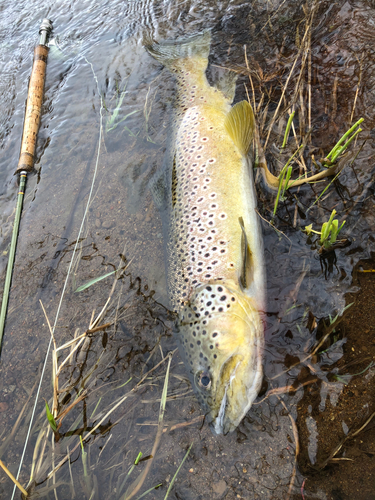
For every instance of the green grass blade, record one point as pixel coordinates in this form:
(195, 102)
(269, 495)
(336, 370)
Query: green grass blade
(335, 148)
(177, 471)
(281, 179)
(324, 190)
(149, 491)
(163, 399)
(340, 227)
(122, 385)
(341, 150)
(334, 230)
(51, 419)
(122, 119)
(84, 458)
(96, 407)
(287, 130)
(132, 134)
(287, 179)
(93, 281)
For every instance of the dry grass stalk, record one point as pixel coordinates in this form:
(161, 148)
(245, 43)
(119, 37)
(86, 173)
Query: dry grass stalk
(296, 440)
(119, 402)
(251, 81)
(270, 18)
(305, 36)
(55, 377)
(358, 86)
(274, 227)
(334, 97)
(136, 486)
(35, 453)
(338, 447)
(18, 484)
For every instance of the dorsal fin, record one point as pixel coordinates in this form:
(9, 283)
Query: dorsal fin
(240, 125)
(247, 267)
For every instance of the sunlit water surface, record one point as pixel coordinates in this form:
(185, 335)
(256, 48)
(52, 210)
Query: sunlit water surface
(98, 63)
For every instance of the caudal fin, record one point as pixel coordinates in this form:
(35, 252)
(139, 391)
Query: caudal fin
(177, 54)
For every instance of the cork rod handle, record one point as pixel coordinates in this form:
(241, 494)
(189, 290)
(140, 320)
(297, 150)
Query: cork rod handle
(33, 109)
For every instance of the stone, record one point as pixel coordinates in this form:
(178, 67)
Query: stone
(220, 487)
(3, 406)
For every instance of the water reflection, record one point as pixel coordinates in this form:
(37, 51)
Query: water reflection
(258, 460)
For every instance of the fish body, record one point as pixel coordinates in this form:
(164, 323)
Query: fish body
(214, 253)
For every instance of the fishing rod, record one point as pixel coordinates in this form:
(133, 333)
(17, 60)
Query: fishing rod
(28, 146)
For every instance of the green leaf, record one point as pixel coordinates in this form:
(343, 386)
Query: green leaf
(93, 281)
(51, 419)
(334, 231)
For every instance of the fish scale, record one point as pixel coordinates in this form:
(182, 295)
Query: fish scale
(214, 253)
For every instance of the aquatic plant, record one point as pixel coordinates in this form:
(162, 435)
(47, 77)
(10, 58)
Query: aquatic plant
(338, 150)
(328, 233)
(112, 120)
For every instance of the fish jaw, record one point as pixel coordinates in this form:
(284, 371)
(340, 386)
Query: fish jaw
(240, 384)
(223, 352)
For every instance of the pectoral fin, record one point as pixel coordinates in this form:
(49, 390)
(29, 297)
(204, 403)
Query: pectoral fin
(240, 125)
(247, 264)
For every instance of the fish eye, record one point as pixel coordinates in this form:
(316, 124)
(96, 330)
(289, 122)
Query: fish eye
(204, 380)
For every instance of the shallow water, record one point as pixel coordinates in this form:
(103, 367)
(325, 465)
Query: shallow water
(98, 56)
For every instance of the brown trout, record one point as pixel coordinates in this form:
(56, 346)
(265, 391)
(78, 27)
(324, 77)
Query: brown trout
(214, 252)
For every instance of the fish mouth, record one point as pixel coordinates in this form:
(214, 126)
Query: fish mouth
(228, 417)
(219, 425)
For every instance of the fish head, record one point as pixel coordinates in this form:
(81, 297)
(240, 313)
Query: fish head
(221, 340)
